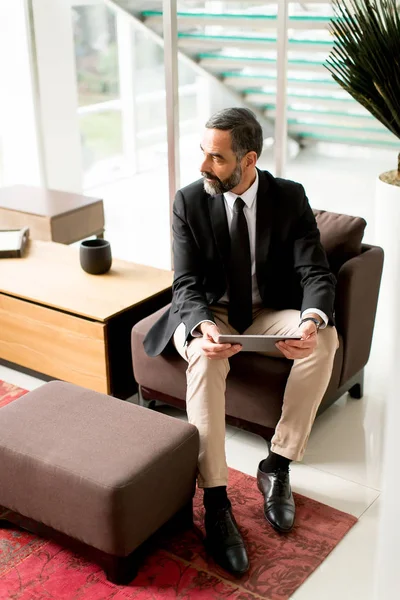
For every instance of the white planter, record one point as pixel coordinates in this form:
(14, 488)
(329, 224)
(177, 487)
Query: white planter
(387, 235)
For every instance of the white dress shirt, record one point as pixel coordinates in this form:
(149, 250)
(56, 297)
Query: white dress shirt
(249, 197)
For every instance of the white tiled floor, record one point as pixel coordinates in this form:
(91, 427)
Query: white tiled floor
(342, 465)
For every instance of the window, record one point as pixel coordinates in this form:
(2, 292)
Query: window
(96, 56)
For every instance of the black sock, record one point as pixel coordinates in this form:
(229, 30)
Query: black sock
(273, 462)
(215, 498)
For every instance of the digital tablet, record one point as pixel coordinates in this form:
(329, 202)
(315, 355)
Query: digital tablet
(256, 343)
(13, 242)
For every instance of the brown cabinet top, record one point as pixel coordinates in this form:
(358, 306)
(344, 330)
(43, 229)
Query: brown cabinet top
(41, 201)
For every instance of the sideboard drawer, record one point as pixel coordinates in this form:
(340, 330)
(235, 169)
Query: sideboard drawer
(55, 343)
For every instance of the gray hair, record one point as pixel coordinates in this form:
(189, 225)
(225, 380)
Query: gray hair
(246, 131)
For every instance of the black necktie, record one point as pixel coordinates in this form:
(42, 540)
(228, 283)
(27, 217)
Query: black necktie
(240, 300)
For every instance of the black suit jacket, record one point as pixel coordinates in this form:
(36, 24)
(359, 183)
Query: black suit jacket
(291, 265)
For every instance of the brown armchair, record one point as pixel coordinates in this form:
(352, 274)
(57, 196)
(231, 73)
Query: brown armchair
(256, 383)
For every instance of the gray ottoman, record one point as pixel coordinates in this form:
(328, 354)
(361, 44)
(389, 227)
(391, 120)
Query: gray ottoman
(97, 469)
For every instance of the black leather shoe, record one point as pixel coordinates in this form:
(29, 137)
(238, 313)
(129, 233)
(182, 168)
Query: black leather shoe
(279, 507)
(224, 542)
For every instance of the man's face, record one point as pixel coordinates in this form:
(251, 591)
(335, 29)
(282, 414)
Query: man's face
(220, 168)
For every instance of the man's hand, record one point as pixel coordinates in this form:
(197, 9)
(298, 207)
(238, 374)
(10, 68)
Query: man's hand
(209, 345)
(303, 348)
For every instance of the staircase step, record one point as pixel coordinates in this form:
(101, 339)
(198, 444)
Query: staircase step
(252, 3)
(312, 102)
(244, 80)
(265, 2)
(350, 119)
(350, 140)
(214, 62)
(237, 20)
(380, 134)
(263, 43)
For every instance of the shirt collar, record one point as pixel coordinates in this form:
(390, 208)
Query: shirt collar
(248, 196)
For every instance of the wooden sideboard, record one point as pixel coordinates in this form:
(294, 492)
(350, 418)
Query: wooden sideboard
(58, 320)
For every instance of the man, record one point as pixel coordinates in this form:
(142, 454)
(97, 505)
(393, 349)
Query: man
(247, 259)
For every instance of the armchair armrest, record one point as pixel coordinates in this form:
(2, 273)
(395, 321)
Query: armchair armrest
(357, 291)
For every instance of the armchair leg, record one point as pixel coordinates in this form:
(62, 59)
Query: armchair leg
(357, 390)
(145, 403)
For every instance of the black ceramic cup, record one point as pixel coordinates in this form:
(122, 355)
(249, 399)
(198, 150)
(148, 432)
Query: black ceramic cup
(95, 256)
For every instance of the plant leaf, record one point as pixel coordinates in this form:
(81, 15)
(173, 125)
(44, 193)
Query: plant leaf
(365, 58)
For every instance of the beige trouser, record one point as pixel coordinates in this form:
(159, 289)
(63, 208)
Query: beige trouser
(206, 383)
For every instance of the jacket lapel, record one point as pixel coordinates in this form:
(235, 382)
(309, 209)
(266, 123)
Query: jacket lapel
(263, 225)
(219, 224)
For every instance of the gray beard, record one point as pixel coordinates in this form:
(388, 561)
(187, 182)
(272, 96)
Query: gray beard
(217, 186)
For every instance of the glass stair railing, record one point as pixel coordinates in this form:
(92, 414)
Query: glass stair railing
(237, 42)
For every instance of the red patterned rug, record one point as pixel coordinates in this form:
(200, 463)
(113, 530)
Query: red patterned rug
(33, 568)
(9, 392)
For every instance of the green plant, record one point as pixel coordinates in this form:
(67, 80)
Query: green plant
(365, 59)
